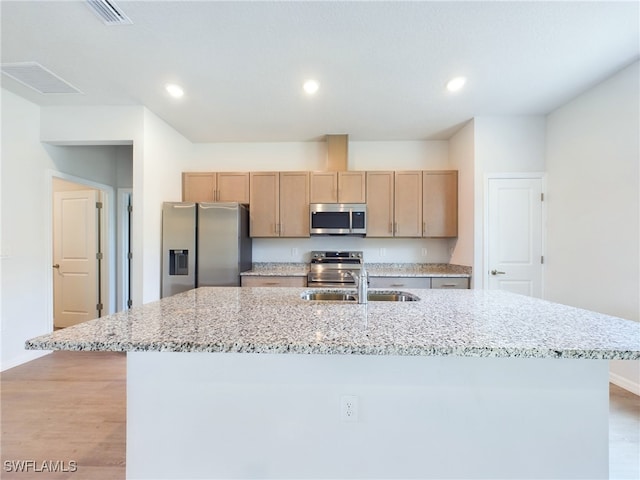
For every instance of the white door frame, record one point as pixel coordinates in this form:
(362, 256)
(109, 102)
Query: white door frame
(107, 239)
(485, 217)
(123, 247)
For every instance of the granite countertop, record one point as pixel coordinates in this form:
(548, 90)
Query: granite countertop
(475, 323)
(374, 269)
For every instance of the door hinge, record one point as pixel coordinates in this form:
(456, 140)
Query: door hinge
(98, 306)
(130, 208)
(98, 204)
(130, 255)
(542, 197)
(99, 256)
(542, 259)
(129, 303)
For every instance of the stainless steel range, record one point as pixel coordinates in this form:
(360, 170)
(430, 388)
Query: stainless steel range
(330, 269)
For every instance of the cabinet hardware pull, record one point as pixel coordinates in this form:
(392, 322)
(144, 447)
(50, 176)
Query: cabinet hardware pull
(496, 272)
(424, 227)
(390, 227)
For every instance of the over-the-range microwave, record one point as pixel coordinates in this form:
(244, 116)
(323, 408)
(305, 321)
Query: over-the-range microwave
(338, 218)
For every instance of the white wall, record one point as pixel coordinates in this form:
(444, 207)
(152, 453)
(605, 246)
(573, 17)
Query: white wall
(502, 145)
(593, 209)
(27, 169)
(156, 179)
(462, 157)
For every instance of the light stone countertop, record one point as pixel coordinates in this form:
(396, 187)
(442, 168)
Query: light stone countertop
(374, 269)
(475, 323)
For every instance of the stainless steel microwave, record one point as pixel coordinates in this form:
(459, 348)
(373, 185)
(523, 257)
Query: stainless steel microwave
(338, 218)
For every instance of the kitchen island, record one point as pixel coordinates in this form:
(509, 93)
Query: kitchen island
(259, 383)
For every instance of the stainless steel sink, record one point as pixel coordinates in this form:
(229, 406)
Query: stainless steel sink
(391, 297)
(381, 296)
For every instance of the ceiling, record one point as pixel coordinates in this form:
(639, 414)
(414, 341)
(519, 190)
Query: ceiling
(382, 66)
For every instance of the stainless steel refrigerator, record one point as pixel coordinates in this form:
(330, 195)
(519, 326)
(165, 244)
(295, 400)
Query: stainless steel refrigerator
(203, 244)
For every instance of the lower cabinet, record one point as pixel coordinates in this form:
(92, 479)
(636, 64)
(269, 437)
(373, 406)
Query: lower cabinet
(418, 282)
(399, 282)
(450, 282)
(274, 281)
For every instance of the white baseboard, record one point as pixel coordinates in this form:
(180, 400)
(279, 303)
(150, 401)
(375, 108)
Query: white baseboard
(26, 357)
(625, 383)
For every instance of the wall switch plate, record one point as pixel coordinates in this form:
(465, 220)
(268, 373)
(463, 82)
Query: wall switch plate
(349, 408)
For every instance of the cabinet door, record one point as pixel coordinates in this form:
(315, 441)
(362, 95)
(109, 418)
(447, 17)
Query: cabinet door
(324, 187)
(273, 281)
(450, 282)
(440, 204)
(294, 204)
(198, 186)
(352, 187)
(408, 204)
(380, 204)
(233, 187)
(264, 197)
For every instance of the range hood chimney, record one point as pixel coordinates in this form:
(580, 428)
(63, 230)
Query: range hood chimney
(337, 152)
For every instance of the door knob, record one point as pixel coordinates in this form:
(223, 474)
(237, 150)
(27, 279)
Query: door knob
(496, 272)
(57, 265)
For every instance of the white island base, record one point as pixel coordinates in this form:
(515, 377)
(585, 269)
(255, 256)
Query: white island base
(237, 415)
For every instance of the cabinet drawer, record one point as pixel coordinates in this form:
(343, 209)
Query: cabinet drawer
(450, 282)
(275, 281)
(399, 282)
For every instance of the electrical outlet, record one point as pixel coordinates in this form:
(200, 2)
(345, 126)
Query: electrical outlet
(424, 252)
(349, 408)
(294, 252)
(383, 252)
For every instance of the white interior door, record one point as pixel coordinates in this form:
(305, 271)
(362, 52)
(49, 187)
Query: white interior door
(75, 277)
(515, 235)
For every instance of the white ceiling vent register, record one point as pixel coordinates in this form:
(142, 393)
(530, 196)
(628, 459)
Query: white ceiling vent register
(109, 12)
(35, 76)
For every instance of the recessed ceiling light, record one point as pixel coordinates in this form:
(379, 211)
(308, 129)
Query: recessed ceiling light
(175, 90)
(311, 86)
(456, 84)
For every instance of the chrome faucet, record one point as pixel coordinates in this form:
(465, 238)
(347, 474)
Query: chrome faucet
(362, 283)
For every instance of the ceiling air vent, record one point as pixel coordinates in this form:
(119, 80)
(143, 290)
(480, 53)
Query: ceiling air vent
(35, 76)
(109, 12)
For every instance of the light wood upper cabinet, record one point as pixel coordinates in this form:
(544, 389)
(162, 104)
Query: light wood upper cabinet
(294, 204)
(408, 204)
(352, 187)
(264, 212)
(233, 187)
(440, 204)
(279, 204)
(338, 187)
(198, 186)
(380, 192)
(215, 187)
(323, 187)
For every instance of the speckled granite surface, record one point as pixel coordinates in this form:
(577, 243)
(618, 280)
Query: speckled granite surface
(417, 270)
(374, 269)
(477, 323)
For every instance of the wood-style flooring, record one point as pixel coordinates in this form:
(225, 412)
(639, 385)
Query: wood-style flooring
(71, 406)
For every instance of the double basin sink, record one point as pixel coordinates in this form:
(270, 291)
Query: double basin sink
(383, 296)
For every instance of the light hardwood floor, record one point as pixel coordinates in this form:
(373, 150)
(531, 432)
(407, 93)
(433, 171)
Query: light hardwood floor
(71, 406)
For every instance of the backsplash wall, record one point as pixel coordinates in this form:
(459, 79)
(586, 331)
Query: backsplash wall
(375, 250)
